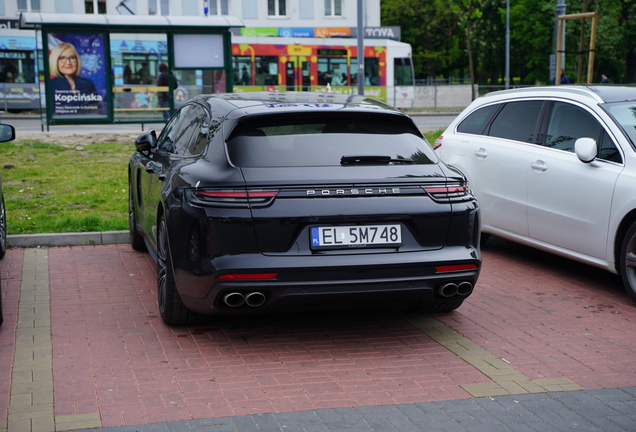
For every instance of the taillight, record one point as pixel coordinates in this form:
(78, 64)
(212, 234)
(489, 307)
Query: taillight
(248, 276)
(232, 197)
(449, 193)
(438, 142)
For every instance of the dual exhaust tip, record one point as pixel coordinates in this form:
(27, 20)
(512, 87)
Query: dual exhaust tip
(237, 299)
(452, 289)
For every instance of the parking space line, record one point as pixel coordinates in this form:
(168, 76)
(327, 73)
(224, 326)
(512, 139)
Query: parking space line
(506, 380)
(32, 398)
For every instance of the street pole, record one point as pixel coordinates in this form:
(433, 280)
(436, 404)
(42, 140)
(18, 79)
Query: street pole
(360, 49)
(507, 44)
(559, 58)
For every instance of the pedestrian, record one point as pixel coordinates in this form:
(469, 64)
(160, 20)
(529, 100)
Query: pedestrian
(605, 79)
(163, 80)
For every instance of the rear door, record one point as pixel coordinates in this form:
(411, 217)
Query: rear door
(498, 167)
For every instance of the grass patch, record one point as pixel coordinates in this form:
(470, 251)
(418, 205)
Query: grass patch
(51, 188)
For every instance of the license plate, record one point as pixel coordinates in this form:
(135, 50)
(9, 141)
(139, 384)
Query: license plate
(358, 236)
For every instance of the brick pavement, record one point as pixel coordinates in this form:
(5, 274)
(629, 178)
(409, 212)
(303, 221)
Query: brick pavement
(543, 342)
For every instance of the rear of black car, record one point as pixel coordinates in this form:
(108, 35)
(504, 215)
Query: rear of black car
(334, 208)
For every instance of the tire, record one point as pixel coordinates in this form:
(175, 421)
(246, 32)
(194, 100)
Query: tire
(628, 261)
(136, 239)
(3, 229)
(172, 310)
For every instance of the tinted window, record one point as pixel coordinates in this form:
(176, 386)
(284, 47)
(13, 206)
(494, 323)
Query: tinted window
(567, 124)
(517, 121)
(608, 150)
(168, 137)
(477, 121)
(324, 141)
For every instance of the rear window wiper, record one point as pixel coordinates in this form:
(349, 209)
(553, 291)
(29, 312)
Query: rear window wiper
(373, 160)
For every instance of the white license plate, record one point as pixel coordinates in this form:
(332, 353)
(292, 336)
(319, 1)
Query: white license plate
(358, 236)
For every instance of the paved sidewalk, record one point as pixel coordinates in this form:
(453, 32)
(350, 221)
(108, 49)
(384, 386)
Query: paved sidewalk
(543, 344)
(609, 410)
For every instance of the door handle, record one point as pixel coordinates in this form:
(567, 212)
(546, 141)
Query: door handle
(481, 152)
(539, 165)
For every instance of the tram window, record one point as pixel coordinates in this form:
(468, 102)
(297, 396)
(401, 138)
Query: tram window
(403, 71)
(17, 66)
(333, 71)
(140, 68)
(266, 70)
(242, 69)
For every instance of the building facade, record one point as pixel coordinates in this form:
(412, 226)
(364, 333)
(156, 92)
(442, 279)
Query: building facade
(254, 13)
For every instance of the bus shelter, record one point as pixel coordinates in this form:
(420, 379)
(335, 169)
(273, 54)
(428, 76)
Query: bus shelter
(97, 69)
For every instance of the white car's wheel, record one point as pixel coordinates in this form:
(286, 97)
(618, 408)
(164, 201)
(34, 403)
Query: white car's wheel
(628, 261)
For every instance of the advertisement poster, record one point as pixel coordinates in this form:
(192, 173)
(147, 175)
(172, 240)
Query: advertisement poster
(77, 80)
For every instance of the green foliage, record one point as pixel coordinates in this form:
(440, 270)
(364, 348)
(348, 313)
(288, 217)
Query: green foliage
(51, 188)
(438, 31)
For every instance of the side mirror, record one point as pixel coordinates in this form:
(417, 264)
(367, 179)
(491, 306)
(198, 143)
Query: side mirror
(585, 149)
(7, 133)
(146, 142)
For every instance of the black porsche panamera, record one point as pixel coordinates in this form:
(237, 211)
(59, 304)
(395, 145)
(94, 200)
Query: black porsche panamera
(269, 201)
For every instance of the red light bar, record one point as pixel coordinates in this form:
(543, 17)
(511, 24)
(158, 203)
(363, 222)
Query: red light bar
(237, 194)
(247, 276)
(457, 267)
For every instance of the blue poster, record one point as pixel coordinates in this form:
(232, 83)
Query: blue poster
(77, 69)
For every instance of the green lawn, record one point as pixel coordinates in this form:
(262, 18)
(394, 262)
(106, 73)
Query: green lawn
(51, 188)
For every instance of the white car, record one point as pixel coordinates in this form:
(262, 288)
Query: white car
(554, 168)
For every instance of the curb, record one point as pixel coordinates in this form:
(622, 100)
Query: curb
(67, 239)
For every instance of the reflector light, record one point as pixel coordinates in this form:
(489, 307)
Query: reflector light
(438, 142)
(246, 276)
(456, 267)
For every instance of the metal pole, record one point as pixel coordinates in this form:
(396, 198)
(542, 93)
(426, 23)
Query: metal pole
(507, 44)
(560, 10)
(360, 49)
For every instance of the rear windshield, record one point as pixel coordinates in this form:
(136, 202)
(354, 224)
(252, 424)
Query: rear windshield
(312, 140)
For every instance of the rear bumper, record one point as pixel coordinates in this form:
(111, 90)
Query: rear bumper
(316, 281)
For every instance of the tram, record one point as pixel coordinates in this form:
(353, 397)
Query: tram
(259, 63)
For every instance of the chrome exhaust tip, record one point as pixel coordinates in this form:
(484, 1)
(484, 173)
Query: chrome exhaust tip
(255, 299)
(233, 299)
(464, 288)
(448, 290)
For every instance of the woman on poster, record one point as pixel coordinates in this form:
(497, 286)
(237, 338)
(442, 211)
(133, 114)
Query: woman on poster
(72, 94)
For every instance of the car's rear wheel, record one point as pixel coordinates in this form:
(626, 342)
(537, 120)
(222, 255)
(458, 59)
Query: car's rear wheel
(171, 308)
(628, 261)
(3, 229)
(136, 239)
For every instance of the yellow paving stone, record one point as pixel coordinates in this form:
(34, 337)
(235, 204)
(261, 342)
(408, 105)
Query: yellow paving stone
(78, 421)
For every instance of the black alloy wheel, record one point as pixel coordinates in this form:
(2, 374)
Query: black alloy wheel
(172, 310)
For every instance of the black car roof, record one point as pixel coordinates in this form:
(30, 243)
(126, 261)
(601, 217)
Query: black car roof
(265, 102)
